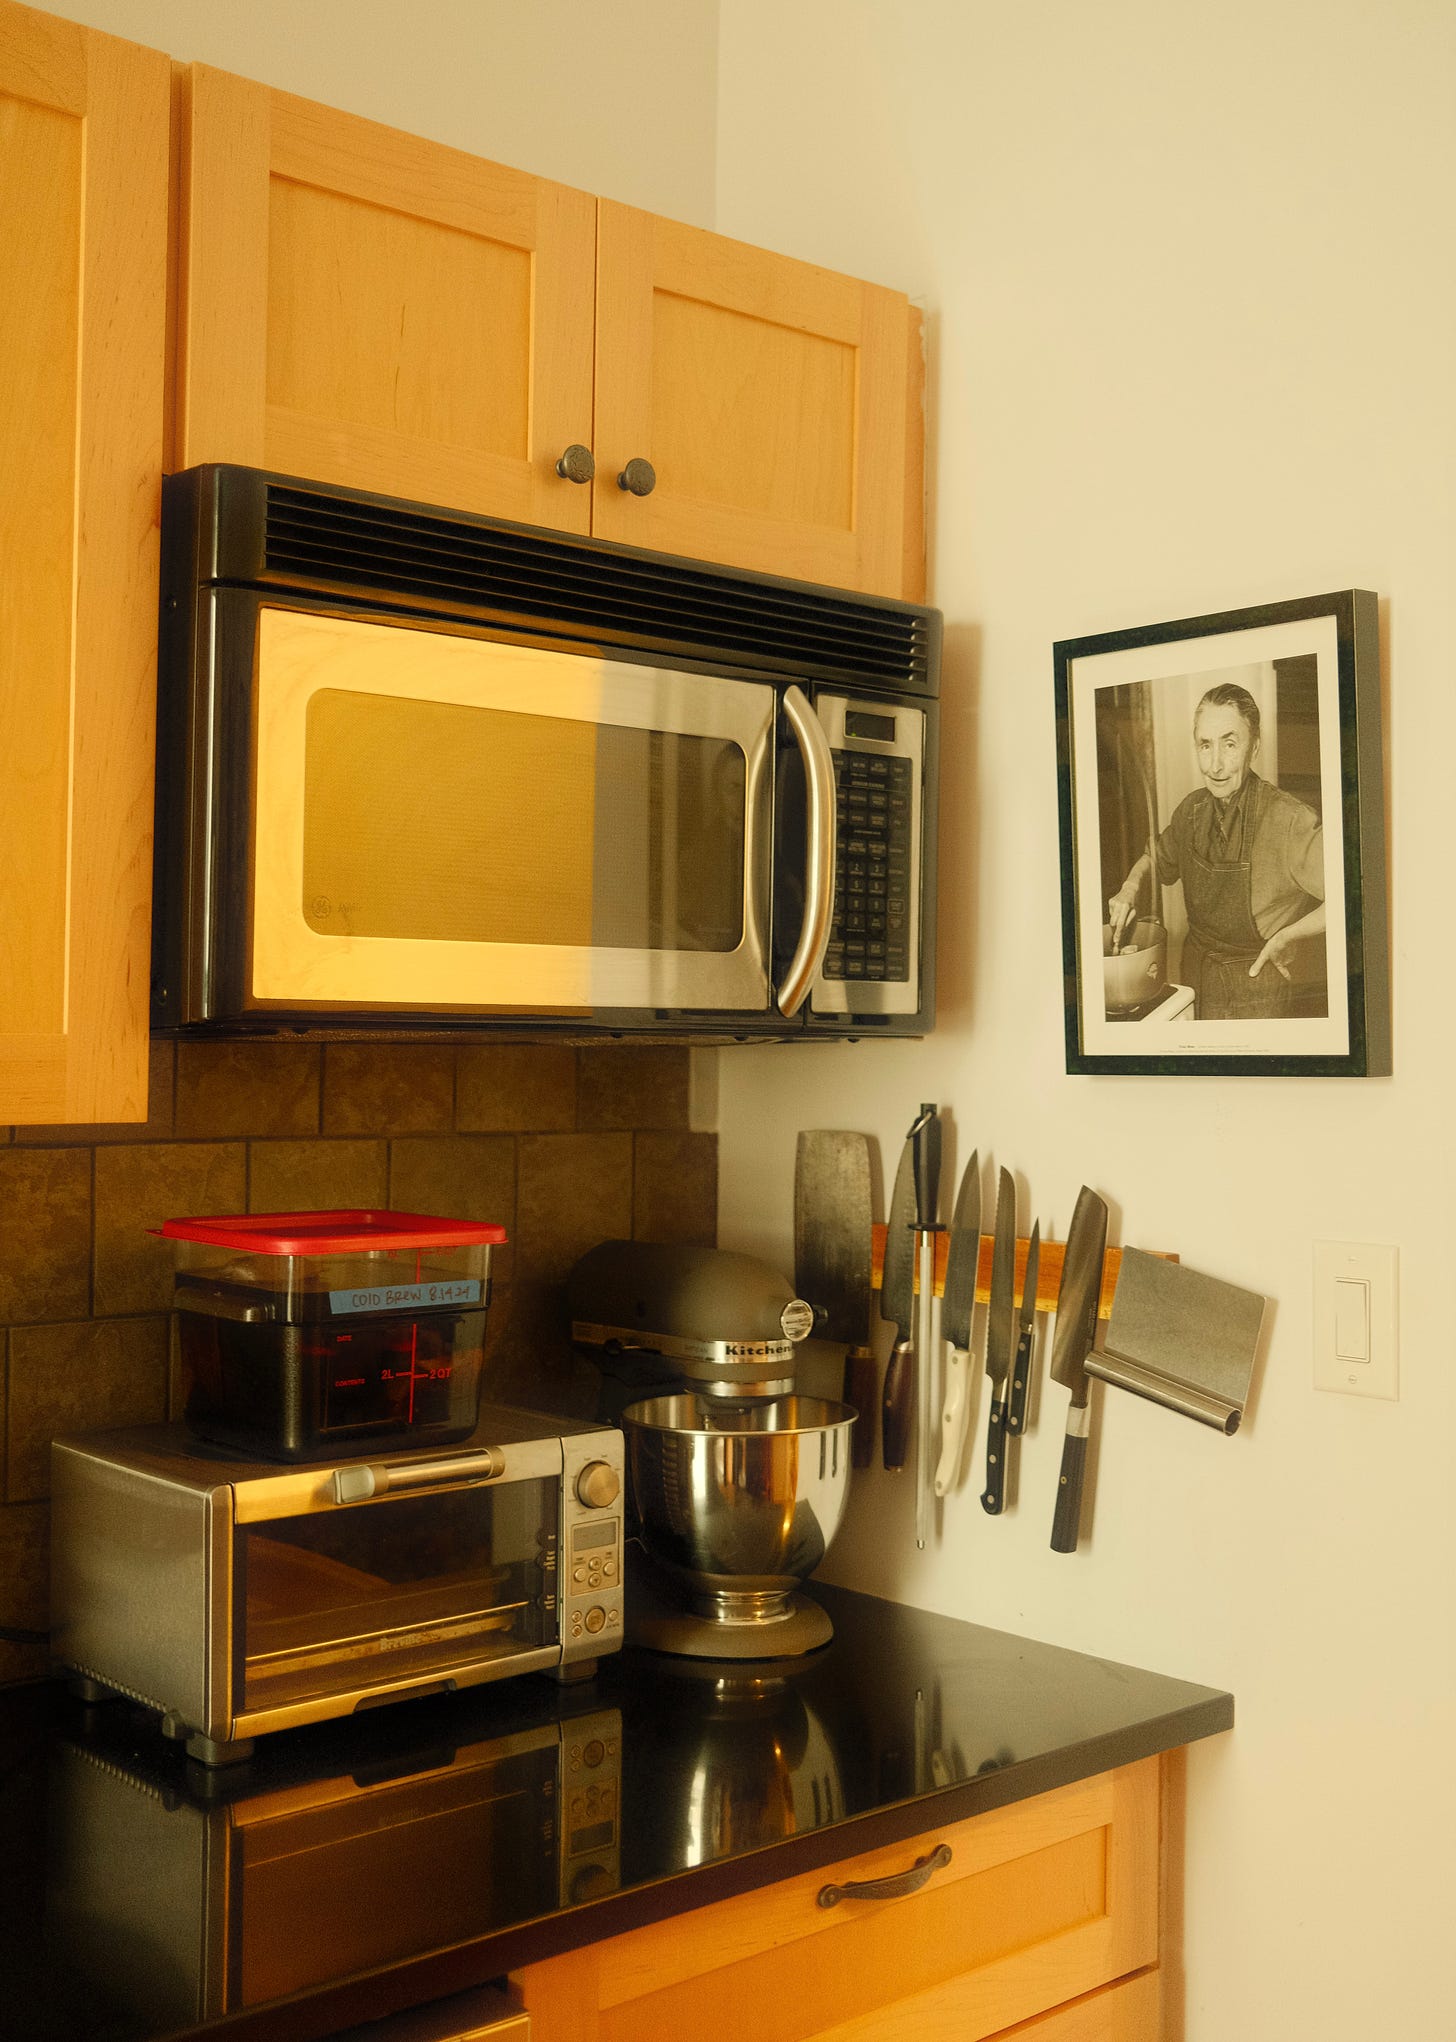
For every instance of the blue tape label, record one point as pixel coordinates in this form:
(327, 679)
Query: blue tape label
(395, 1297)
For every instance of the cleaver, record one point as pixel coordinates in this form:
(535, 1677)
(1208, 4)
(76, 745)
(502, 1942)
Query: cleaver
(833, 1221)
(1077, 1302)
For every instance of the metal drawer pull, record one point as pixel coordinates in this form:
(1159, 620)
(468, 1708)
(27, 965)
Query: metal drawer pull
(888, 1889)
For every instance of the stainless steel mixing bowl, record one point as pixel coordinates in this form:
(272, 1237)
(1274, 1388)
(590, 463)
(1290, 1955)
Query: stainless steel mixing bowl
(738, 1503)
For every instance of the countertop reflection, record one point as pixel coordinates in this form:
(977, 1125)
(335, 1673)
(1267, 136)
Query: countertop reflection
(442, 1842)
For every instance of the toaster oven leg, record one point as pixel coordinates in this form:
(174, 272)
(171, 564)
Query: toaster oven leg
(206, 1750)
(575, 1670)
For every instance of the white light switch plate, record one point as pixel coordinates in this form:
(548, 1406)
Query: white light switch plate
(1356, 1288)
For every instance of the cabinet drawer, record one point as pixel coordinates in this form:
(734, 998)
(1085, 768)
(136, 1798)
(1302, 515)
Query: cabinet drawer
(1040, 1903)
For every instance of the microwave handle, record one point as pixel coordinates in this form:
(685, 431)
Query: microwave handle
(819, 852)
(356, 1484)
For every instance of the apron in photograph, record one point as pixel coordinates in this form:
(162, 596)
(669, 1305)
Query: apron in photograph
(1223, 941)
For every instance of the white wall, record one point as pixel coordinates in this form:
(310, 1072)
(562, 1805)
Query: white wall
(1190, 291)
(615, 99)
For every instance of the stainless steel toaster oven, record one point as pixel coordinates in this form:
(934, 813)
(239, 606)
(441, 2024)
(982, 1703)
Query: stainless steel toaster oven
(240, 1597)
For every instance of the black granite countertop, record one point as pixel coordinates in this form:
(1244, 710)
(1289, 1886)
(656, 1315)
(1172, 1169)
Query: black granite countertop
(348, 1870)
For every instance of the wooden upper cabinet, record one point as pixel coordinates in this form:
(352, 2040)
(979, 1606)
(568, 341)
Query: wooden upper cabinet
(360, 306)
(769, 396)
(83, 256)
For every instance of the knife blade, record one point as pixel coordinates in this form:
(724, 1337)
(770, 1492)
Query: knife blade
(1021, 1366)
(1000, 1320)
(897, 1305)
(833, 1220)
(956, 1307)
(924, 1139)
(1077, 1302)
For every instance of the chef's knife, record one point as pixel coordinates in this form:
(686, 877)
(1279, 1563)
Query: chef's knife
(1076, 1331)
(924, 1140)
(833, 1220)
(956, 1306)
(1000, 1320)
(897, 1304)
(1021, 1366)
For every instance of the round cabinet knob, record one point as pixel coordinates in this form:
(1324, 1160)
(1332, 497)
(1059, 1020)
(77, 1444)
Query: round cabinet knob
(639, 477)
(597, 1485)
(576, 464)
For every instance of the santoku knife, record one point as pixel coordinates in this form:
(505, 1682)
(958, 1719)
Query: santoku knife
(1000, 1320)
(1021, 1366)
(956, 1306)
(897, 1304)
(1077, 1302)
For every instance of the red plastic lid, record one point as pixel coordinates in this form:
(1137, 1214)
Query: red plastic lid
(330, 1233)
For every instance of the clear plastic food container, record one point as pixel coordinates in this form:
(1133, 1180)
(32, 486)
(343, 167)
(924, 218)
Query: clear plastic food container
(306, 1334)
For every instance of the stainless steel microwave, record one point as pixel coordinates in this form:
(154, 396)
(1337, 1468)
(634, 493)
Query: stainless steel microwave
(238, 1597)
(419, 769)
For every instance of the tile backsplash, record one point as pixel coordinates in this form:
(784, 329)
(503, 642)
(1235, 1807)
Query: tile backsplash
(563, 1146)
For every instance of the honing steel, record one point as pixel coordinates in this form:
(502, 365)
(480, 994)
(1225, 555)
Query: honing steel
(897, 1305)
(833, 1223)
(1021, 1366)
(1076, 1330)
(1000, 1320)
(924, 1139)
(956, 1306)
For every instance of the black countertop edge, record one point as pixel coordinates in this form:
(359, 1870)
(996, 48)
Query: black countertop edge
(414, 1981)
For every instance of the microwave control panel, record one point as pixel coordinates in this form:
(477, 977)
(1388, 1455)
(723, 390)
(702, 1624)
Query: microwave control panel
(871, 964)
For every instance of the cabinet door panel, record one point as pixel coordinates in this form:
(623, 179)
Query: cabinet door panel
(404, 318)
(769, 396)
(83, 223)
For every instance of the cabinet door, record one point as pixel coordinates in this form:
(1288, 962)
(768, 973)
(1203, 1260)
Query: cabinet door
(83, 230)
(363, 307)
(769, 396)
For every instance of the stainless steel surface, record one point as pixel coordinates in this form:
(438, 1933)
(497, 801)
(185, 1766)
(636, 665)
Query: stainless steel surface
(738, 1507)
(956, 1307)
(727, 1322)
(924, 1140)
(576, 464)
(820, 824)
(833, 1220)
(1182, 1339)
(356, 1483)
(885, 996)
(1080, 1293)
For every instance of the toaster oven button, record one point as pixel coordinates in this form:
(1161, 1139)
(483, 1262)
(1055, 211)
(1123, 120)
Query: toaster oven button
(597, 1485)
(596, 1618)
(578, 1574)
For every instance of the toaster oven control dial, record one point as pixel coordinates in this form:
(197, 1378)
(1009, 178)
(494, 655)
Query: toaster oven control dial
(598, 1484)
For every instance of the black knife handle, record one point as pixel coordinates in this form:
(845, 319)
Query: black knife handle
(1020, 1382)
(899, 1404)
(993, 1496)
(924, 1139)
(1067, 1518)
(861, 1385)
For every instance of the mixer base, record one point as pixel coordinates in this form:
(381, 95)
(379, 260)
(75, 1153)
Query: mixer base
(657, 1624)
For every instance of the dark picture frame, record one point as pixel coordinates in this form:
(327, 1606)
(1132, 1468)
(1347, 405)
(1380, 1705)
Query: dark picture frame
(1220, 790)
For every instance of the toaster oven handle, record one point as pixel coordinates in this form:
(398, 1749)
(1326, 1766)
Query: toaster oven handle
(819, 851)
(356, 1484)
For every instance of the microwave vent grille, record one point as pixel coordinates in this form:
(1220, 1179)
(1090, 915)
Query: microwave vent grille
(519, 577)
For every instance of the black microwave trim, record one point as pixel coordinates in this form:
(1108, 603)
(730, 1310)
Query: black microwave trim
(218, 543)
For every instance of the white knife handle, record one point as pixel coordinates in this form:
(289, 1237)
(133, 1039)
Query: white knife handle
(953, 1418)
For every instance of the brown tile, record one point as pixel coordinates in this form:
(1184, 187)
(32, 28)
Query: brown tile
(139, 1188)
(45, 1234)
(529, 1359)
(388, 1088)
(157, 1126)
(78, 1378)
(461, 1176)
(675, 1189)
(572, 1190)
(247, 1088)
(631, 1085)
(511, 1088)
(316, 1176)
(24, 1587)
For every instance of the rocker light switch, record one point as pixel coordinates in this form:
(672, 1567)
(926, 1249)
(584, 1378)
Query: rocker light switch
(1355, 1287)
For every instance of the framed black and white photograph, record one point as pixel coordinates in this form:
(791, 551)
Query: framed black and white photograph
(1220, 792)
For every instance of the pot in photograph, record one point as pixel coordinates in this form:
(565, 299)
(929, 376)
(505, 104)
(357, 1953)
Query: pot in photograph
(1132, 974)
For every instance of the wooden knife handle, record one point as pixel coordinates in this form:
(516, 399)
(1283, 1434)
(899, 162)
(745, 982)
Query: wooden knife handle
(1067, 1518)
(899, 1404)
(861, 1389)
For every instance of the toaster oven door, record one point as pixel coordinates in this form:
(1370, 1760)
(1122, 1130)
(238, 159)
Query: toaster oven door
(445, 822)
(399, 1594)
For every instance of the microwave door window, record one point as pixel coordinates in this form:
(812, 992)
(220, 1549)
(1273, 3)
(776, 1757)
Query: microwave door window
(496, 826)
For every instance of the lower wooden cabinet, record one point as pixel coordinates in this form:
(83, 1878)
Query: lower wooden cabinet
(1045, 1913)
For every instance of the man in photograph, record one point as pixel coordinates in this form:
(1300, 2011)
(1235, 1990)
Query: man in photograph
(1250, 857)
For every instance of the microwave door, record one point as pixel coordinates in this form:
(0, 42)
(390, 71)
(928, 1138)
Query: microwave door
(445, 821)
